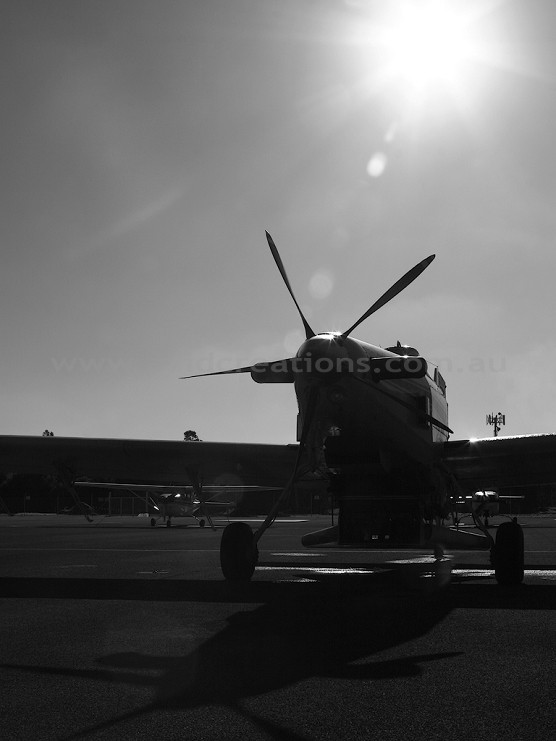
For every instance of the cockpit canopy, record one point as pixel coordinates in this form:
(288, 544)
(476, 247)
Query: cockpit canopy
(400, 349)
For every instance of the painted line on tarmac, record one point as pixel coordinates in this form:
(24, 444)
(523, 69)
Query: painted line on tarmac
(301, 555)
(417, 551)
(317, 569)
(549, 574)
(114, 550)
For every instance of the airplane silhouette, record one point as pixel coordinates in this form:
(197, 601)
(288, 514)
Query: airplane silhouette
(375, 422)
(372, 422)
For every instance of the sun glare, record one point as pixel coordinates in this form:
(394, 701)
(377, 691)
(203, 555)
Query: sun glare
(426, 45)
(418, 49)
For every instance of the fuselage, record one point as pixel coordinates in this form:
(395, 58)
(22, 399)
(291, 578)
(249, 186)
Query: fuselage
(361, 416)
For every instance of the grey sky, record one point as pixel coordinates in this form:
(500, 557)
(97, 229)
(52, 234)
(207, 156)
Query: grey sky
(146, 146)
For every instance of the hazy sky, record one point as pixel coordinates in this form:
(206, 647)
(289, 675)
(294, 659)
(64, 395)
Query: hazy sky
(147, 145)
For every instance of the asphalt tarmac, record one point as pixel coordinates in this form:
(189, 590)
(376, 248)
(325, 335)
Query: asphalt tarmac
(115, 630)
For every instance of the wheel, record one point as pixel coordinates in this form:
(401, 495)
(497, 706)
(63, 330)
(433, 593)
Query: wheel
(238, 552)
(168, 522)
(153, 521)
(508, 554)
(201, 523)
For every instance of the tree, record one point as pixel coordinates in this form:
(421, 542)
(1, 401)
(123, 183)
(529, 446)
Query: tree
(191, 436)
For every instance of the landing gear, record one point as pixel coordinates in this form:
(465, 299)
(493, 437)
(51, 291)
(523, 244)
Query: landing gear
(508, 556)
(201, 523)
(153, 521)
(238, 552)
(168, 522)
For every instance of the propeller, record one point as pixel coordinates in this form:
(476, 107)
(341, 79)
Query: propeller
(286, 492)
(308, 331)
(277, 259)
(245, 369)
(282, 366)
(393, 291)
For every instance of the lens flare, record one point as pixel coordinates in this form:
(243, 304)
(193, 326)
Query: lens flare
(321, 284)
(377, 164)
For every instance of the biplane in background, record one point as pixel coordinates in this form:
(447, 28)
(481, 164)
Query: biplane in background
(169, 501)
(485, 504)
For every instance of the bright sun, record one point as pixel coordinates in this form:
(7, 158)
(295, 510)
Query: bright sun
(421, 47)
(426, 45)
(423, 59)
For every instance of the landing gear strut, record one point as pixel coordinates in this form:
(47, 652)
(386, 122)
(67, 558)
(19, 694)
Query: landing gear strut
(238, 552)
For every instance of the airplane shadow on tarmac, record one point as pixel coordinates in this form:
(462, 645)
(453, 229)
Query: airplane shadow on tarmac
(301, 630)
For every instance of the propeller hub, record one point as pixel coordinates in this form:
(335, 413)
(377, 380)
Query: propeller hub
(329, 355)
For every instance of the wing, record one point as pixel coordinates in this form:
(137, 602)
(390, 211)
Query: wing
(149, 461)
(172, 489)
(139, 488)
(213, 508)
(502, 463)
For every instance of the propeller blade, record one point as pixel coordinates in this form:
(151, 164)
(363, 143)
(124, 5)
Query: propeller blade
(308, 331)
(427, 417)
(286, 492)
(245, 369)
(398, 286)
(310, 413)
(275, 371)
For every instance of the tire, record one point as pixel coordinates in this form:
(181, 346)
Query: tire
(238, 552)
(509, 560)
(153, 522)
(201, 523)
